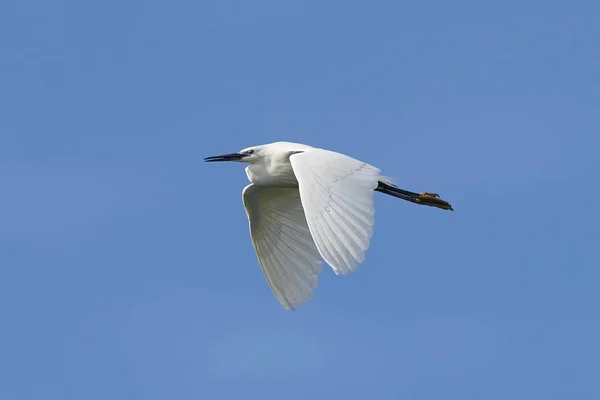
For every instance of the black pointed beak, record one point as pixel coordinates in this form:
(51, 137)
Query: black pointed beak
(225, 157)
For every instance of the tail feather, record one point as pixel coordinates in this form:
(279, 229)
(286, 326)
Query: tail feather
(426, 199)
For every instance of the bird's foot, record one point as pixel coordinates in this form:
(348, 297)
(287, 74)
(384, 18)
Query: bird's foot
(433, 200)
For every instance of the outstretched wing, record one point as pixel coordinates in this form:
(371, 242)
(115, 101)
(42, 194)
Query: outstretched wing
(337, 195)
(282, 241)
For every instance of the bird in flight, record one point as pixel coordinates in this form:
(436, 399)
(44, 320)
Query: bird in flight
(306, 205)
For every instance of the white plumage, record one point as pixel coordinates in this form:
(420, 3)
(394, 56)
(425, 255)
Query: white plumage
(306, 205)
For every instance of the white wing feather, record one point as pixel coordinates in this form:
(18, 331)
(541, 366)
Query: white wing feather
(337, 194)
(283, 243)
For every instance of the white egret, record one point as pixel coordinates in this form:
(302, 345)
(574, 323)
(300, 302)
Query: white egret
(306, 205)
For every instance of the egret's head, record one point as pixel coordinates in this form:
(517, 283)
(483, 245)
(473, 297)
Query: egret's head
(248, 155)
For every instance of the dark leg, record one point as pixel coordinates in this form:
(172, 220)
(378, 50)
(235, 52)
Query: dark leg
(426, 199)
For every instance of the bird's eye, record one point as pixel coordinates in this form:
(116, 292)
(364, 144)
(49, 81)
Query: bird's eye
(250, 152)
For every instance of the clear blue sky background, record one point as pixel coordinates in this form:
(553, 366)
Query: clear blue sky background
(126, 270)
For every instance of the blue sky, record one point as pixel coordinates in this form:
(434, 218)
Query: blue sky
(126, 270)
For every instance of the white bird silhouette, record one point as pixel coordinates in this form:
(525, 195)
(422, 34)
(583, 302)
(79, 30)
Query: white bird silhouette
(306, 205)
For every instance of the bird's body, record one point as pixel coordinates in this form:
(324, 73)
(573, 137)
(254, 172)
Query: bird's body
(306, 205)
